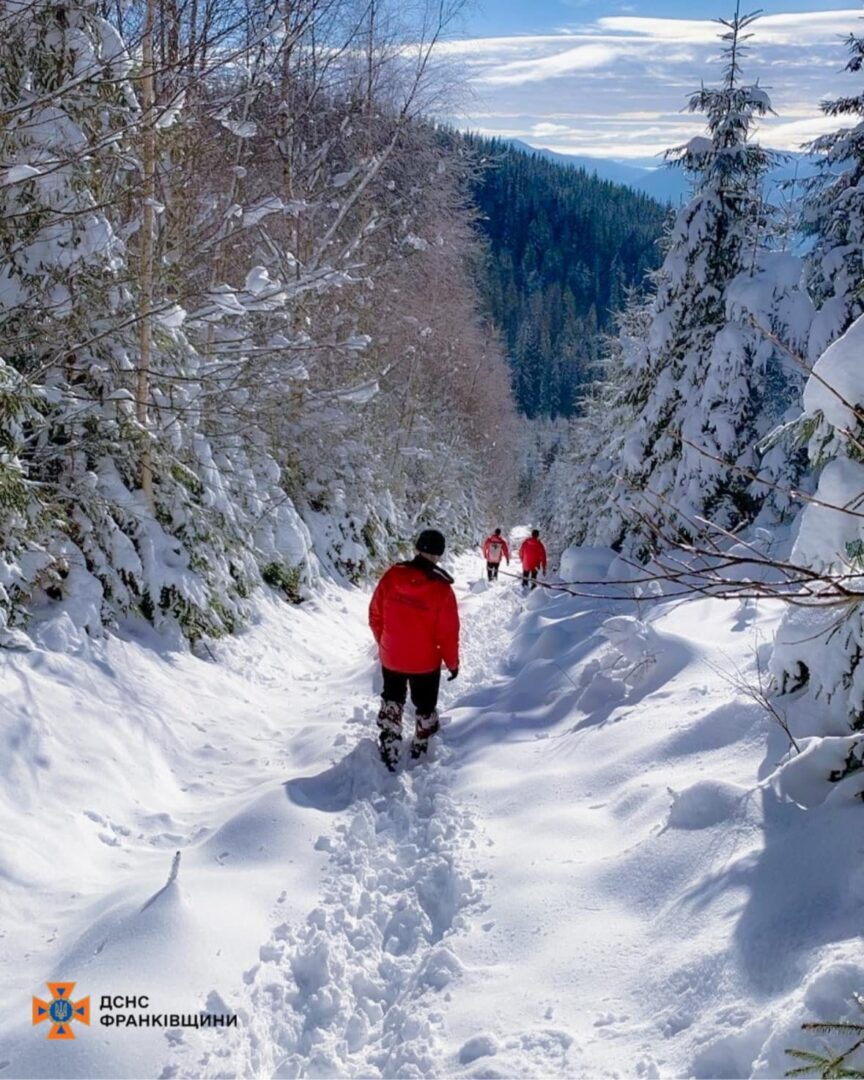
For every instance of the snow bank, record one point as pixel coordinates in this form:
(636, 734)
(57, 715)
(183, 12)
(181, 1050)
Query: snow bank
(580, 563)
(836, 385)
(658, 900)
(114, 754)
(802, 777)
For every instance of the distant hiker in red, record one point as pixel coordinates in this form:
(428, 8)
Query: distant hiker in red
(415, 620)
(533, 556)
(494, 550)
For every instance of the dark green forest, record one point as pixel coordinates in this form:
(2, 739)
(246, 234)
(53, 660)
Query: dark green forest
(563, 248)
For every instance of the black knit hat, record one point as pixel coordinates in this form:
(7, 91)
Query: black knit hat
(430, 542)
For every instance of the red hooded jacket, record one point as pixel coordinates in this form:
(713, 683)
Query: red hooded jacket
(414, 618)
(503, 551)
(533, 554)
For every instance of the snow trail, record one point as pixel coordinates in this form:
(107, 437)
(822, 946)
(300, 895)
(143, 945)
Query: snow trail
(591, 876)
(353, 991)
(356, 989)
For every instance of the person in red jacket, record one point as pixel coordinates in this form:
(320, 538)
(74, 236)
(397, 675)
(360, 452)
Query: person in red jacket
(533, 557)
(494, 550)
(415, 621)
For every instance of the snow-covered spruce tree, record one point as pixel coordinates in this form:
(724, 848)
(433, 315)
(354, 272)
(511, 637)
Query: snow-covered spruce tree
(710, 383)
(833, 215)
(576, 503)
(822, 648)
(20, 507)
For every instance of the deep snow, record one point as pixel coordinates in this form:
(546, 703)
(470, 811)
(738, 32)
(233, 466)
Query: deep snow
(595, 875)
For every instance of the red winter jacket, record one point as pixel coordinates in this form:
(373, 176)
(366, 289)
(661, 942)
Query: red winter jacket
(503, 551)
(414, 618)
(533, 554)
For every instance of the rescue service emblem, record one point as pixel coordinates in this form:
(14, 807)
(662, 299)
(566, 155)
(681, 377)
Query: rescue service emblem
(61, 1010)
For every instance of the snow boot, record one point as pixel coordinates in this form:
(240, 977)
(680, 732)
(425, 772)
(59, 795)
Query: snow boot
(426, 726)
(390, 733)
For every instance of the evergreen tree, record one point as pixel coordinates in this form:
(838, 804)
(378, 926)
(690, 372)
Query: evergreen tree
(822, 649)
(704, 392)
(92, 534)
(63, 92)
(834, 216)
(577, 503)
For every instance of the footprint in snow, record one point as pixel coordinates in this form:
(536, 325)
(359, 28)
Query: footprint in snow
(357, 776)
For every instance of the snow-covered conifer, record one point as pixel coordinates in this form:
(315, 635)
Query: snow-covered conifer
(84, 533)
(822, 647)
(710, 382)
(834, 216)
(577, 503)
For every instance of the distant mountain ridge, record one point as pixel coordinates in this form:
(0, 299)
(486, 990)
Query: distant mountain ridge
(662, 182)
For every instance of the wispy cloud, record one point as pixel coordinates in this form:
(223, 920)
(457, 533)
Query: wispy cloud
(796, 28)
(582, 58)
(616, 86)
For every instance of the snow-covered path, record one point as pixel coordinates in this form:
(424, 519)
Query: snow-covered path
(586, 879)
(263, 772)
(357, 989)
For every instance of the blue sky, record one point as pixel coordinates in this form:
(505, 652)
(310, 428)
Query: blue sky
(611, 79)
(487, 18)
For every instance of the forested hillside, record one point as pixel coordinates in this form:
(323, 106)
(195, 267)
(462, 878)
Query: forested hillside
(240, 336)
(564, 248)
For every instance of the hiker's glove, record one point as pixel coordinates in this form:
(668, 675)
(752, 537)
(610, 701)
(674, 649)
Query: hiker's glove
(453, 673)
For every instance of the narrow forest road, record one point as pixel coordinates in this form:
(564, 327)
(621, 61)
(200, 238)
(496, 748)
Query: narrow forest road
(316, 895)
(357, 988)
(588, 878)
(500, 910)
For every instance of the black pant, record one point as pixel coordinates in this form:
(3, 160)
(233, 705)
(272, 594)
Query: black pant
(424, 689)
(492, 570)
(525, 574)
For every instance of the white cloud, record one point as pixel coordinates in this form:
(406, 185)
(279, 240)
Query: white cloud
(582, 58)
(665, 30)
(546, 128)
(633, 75)
(501, 46)
(791, 134)
(798, 28)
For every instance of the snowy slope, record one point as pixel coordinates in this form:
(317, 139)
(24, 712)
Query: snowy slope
(590, 877)
(652, 910)
(115, 755)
